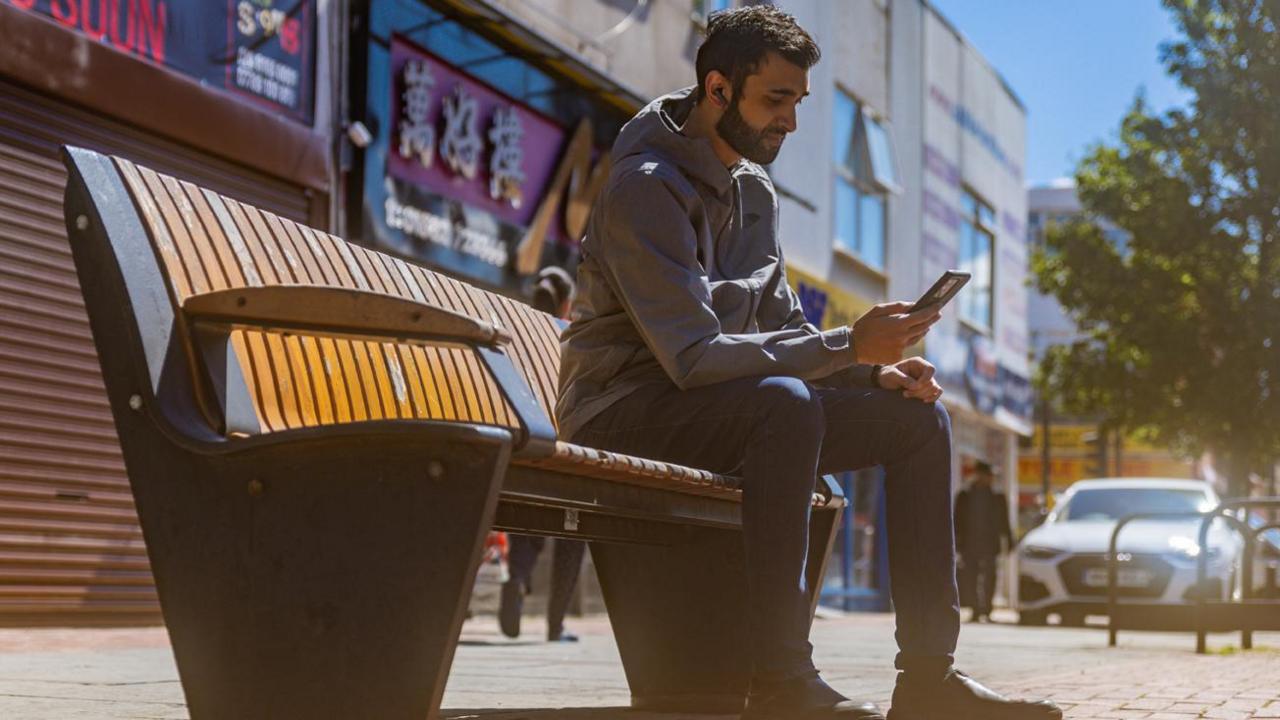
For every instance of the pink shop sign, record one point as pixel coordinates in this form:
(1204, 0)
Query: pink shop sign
(456, 136)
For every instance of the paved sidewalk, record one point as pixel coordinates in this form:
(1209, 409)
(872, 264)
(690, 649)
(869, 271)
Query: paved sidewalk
(67, 674)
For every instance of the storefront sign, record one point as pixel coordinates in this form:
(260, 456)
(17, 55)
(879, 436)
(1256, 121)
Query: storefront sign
(1064, 470)
(258, 49)
(969, 363)
(825, 305)
(477, 182)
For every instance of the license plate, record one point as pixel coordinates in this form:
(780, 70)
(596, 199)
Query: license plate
(1125, 577)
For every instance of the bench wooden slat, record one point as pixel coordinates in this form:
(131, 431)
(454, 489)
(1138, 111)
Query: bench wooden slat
(435, 401)
(342, 405)
(239, 256)
(180, 230)
(367, 269)
(426, 282)
(522, 315)
(223, 251)
(180, 280)
(303, 392)
(307, 245)
(303, 264)
(261, 236)
(593, 462)
(521, 355)
(210, 243)
(413, 380)
(534, 327)
(263, 266)
(351, 381)
(322, 379)
(328, 248)
(276, 360)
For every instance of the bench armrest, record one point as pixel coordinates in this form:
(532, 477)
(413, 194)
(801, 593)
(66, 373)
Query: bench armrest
(340, 311)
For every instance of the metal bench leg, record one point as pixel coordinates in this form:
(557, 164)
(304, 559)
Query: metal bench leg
(824, 527)
(679, 614)
(319, 579)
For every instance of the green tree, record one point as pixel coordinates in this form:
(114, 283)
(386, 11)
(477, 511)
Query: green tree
(1180, 322)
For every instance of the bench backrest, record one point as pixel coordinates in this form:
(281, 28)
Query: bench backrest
(206, 242)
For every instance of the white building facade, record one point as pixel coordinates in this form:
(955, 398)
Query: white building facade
(921, 147)
(909, 162)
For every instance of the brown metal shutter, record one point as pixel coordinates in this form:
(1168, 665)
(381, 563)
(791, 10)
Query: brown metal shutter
(71, 551)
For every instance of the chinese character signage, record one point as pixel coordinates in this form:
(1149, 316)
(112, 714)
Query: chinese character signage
(261, 50)
(474, 181)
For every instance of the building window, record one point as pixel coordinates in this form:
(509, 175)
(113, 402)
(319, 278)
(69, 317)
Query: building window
(865, 173)
(977, 255)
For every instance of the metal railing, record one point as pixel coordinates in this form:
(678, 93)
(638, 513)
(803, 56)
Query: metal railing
(1201, 596)
(1202, 565)
(1113, 560)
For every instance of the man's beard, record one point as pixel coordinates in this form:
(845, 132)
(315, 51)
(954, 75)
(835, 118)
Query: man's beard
(745, 140)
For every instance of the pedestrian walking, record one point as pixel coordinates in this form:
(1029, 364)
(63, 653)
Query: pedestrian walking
(687, 345)
(552, 293)
(982, 535)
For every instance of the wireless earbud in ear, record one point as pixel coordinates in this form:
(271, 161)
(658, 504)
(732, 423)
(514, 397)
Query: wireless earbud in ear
(719, 93)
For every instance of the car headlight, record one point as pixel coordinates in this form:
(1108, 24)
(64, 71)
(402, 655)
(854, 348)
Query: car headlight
(1040, 552)
(1188, 549)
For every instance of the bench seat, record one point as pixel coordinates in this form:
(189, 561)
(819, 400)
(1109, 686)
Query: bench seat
(319, 436)
(606, 465)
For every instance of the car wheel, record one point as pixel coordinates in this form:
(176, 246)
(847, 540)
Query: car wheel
(1032, 617)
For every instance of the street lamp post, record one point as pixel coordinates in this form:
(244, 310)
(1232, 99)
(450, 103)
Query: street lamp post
(1046, 454)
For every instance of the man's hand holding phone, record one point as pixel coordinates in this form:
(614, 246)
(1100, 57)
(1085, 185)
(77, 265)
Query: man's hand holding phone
(885, 331)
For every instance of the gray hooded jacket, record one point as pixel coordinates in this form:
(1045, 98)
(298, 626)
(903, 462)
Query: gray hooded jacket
(682, 278)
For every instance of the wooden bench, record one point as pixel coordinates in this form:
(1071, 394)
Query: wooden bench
(318, 437)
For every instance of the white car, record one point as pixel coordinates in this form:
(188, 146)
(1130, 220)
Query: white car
(1062, 566)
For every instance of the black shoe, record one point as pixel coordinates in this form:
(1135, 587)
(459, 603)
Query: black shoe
(805, 698)
(956, 696)
(509, 608)
(559, 635)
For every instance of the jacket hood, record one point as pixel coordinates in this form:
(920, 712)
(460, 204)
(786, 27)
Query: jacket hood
(655, 130)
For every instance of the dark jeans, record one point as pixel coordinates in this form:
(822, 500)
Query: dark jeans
(979, 575)
(780, 434)
(566, 564)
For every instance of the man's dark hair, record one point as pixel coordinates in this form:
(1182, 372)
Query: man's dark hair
(738, 40)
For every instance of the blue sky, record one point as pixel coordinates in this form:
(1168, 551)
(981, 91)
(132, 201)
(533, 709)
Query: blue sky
(1076, 65)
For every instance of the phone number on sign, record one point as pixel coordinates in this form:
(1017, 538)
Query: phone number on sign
(437, 230)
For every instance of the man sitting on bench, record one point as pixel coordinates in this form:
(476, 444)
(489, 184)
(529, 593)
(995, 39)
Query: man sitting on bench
(687, 345)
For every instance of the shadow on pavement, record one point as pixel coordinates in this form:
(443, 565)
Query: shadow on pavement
(605, 713)
(501, 643)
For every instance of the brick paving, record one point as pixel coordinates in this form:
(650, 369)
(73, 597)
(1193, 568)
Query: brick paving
(48, 674)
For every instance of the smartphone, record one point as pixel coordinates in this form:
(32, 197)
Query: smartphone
(943, 290)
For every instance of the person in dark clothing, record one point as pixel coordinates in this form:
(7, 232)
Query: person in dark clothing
(686, 344)
(982, 535)
(551, 294)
